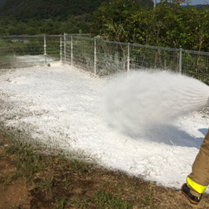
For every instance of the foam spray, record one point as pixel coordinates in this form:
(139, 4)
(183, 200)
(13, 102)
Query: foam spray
(145, 103)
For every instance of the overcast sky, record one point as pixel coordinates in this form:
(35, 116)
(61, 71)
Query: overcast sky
(194, 2)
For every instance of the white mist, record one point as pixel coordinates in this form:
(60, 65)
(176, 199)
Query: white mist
(146, 103)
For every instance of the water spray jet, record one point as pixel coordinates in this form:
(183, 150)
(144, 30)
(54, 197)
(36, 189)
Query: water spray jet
(144, 101)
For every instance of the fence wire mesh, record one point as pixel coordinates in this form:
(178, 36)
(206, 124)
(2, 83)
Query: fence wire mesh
(99, 56)
(111, 57)
(26, 51)
(83, 53)
(6, 58)
(108, 57)
(196, 64)
(21, 51)
(53, 47)
(66, 54)
(144, 57)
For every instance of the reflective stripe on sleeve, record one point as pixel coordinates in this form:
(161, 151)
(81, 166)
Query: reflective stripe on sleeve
(197, 187)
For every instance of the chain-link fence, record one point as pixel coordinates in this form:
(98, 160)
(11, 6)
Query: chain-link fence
(25, 51)
(21, 51)
(99, 56)
(111, 57)
(82, 53)
(149, 57)
(196, 64)
(106, 57)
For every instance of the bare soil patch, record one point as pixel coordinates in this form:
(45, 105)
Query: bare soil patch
(31, 180)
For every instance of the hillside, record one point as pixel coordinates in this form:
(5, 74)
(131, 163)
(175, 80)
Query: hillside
(49, 9)
(31, 17)
(45, 9)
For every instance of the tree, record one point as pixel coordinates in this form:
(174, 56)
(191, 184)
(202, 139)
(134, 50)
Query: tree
(111, 20)
(169, 25)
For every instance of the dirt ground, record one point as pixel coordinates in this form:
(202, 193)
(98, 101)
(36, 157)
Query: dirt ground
(60, 183)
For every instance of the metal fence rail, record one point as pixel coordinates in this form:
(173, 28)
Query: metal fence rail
(99, 56)
(143, 57)
(53, 47)
(26, 51)
(196, 64)
(111, 57)
(23, 51)
(83, 53)
(107, 57)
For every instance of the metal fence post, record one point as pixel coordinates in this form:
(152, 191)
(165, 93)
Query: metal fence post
(71, 50)
(65, 45)
(95, 56)
(45, 54)
(128, 58)
(60, 47)
(180, 60)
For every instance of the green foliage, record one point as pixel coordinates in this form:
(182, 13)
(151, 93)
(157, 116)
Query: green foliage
(10, 49)
(106, 200)
(72, 24)
(112, 19)
(18, 17)
(60, 203)
(168, 25)
(42, 9)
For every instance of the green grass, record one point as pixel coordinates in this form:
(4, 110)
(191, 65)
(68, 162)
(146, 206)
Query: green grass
(62, 183)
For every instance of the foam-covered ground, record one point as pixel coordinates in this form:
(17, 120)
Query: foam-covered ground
(59, 104)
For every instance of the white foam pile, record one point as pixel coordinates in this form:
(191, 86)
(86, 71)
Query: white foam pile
(140, 132)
